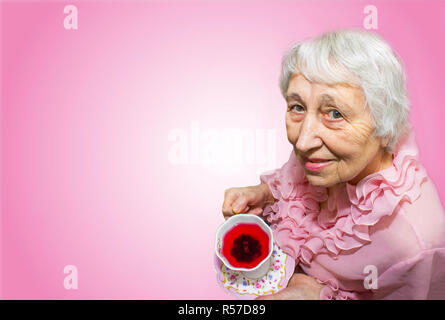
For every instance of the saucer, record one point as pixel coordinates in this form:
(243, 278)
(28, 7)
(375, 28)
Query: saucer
(281, 269)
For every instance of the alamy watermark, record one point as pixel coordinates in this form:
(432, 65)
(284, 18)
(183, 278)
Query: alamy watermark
(371, 19)
(70, 20)
(228, 146)
(370, 281)
(70, 282)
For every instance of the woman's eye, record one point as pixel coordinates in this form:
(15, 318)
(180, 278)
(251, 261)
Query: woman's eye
(335, 114)
(298, 108)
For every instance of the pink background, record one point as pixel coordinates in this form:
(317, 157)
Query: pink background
(86, 114)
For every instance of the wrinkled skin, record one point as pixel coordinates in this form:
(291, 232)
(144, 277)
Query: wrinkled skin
(338, 128)
(334, 123)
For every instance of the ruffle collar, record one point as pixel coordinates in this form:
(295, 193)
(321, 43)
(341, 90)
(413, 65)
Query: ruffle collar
(302, 230)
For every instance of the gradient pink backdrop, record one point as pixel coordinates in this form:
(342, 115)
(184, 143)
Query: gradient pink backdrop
(85, 118)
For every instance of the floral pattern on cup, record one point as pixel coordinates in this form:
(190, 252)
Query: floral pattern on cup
(270, 283)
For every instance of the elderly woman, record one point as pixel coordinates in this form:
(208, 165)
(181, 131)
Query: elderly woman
(353, 204)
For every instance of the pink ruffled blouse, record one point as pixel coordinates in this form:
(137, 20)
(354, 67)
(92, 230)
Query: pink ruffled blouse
(388, 231)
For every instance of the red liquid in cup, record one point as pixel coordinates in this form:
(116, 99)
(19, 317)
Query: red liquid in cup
(245, 245)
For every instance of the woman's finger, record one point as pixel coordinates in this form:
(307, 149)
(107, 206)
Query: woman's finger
(230, 197)
(245, 210)
(240, 204)
(256, 211)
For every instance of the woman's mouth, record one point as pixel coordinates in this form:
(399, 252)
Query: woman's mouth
(316, 164)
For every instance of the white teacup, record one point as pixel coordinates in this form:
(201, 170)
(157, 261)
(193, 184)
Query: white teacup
(263, 266)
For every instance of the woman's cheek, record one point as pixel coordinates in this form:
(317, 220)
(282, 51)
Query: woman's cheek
(292, 137)
(348, 142)
(345, 170)
(292, 130)
(359, 133)
(337, 143)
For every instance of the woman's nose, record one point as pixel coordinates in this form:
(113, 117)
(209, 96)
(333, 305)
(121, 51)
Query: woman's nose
(308, 137)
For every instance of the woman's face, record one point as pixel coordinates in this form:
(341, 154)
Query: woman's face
(331, 132)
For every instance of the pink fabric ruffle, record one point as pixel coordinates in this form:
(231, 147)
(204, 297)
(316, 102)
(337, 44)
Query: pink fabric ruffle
(332, 291)
(302, 230)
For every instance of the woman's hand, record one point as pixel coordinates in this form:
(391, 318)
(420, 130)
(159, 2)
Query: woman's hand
(247, 200)
(300, 287)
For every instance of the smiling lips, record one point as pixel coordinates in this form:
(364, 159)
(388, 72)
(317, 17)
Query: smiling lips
(316, 164)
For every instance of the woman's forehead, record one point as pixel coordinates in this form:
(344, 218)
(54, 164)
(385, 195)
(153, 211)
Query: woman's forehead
(302, 88)
(299, 79)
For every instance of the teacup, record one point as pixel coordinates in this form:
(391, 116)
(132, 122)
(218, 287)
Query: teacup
(245, 243)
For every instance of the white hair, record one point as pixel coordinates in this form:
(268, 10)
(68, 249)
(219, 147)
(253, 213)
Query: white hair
(359, 58)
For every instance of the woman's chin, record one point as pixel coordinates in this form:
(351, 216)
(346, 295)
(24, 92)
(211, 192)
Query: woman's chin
(320, 181)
